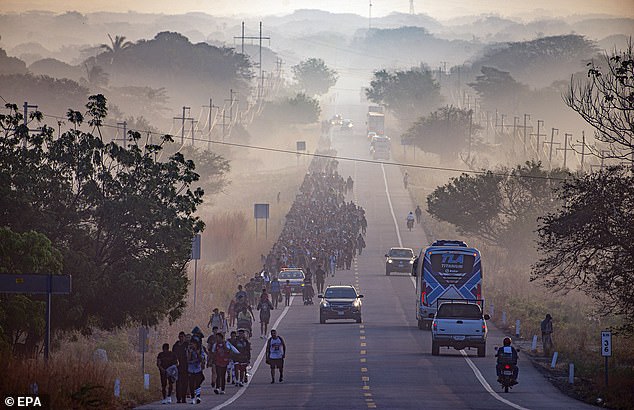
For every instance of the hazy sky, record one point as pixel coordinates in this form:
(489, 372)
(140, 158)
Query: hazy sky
(441, 9)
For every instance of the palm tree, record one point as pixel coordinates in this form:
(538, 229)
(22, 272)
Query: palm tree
(115, 46)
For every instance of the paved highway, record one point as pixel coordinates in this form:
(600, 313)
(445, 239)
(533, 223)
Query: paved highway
(386, 361)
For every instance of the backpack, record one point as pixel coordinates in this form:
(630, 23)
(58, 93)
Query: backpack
(223, 355)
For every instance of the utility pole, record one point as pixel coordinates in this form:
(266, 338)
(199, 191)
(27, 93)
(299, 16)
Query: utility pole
(26, 118)
(515, 121)
(124, 124)
(411, 7)
(526, 116)
(260, 38)
(192, 121)
(538, 135)
(183, 118)
(470, 133)
(552, 142)
(565, 148)
(583, 149)
(224, 124)
(370, 17)
(502, 125)
(231, 101)
(211, 106)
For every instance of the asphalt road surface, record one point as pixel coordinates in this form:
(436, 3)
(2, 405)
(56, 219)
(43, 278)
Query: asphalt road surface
(384, 362)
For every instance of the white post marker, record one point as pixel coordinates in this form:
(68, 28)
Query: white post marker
(146, 381)
(554, 361)
(504, 318)
(491, 310)
(117, 388)
(571, 373)
(517, 328)
(534, 344)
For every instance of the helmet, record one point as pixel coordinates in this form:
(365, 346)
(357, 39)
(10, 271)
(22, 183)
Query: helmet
(507, 341)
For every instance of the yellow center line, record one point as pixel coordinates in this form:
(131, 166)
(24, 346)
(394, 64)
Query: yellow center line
(363, 351)
(362, 331)
(363, 360)
(365, 387)
(364, 370)
(367, 394)
(363, 344)
(362, 337)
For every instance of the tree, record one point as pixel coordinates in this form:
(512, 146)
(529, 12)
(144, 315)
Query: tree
(314, 77)
(11, 65)
(408, 94)
(116, 46)
(300, 109)
(21, 316)
(445, 131)
(588, 243)
(605, 100)
(500, 207)
(96, 77)
(498, 88)
(122, 220)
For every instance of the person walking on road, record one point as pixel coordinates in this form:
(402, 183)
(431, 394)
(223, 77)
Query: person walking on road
(360, 243)
(222, 356)
(320, 278)
(195, 363)
(275, 355)
(405, 179)
(276, 291)
(180, 350)
(265, 306)
(167, 363)
(547, 332)
(333, 264)
(242, 358)
(287, 293)
(419, 213)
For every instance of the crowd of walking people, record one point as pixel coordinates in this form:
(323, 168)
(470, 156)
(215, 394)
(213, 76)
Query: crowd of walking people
(322, 234)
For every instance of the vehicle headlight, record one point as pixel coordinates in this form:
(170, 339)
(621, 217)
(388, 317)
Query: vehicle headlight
(325, 304)
(411, 262)
(389, 261)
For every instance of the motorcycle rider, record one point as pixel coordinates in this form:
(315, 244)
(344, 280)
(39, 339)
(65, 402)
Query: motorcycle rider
(507, 355)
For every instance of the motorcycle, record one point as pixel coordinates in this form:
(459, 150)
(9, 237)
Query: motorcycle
(410, 224)
(507, 381)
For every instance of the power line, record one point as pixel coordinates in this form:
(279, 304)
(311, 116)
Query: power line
(341, 158)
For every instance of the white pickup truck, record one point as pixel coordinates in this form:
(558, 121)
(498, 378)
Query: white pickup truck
(459, 324)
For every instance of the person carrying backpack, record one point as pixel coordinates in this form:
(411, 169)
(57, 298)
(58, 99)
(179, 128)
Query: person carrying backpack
(167, 363)
(242, 358)
(222, 356)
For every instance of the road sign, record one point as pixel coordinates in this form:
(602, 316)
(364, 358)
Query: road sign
(301, 145)
(34, 283)
(196, 247)
(261, 211)
(606, 343)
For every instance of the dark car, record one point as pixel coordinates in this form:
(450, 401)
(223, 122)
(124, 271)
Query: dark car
(399, 260)
(340, 302)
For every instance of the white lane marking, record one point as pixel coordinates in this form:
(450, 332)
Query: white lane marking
(473, 367)
(257, 362)
(486, 385)
(398, 231)
(389, 202)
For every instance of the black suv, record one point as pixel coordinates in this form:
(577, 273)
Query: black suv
(340, 302)
(399, 260)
